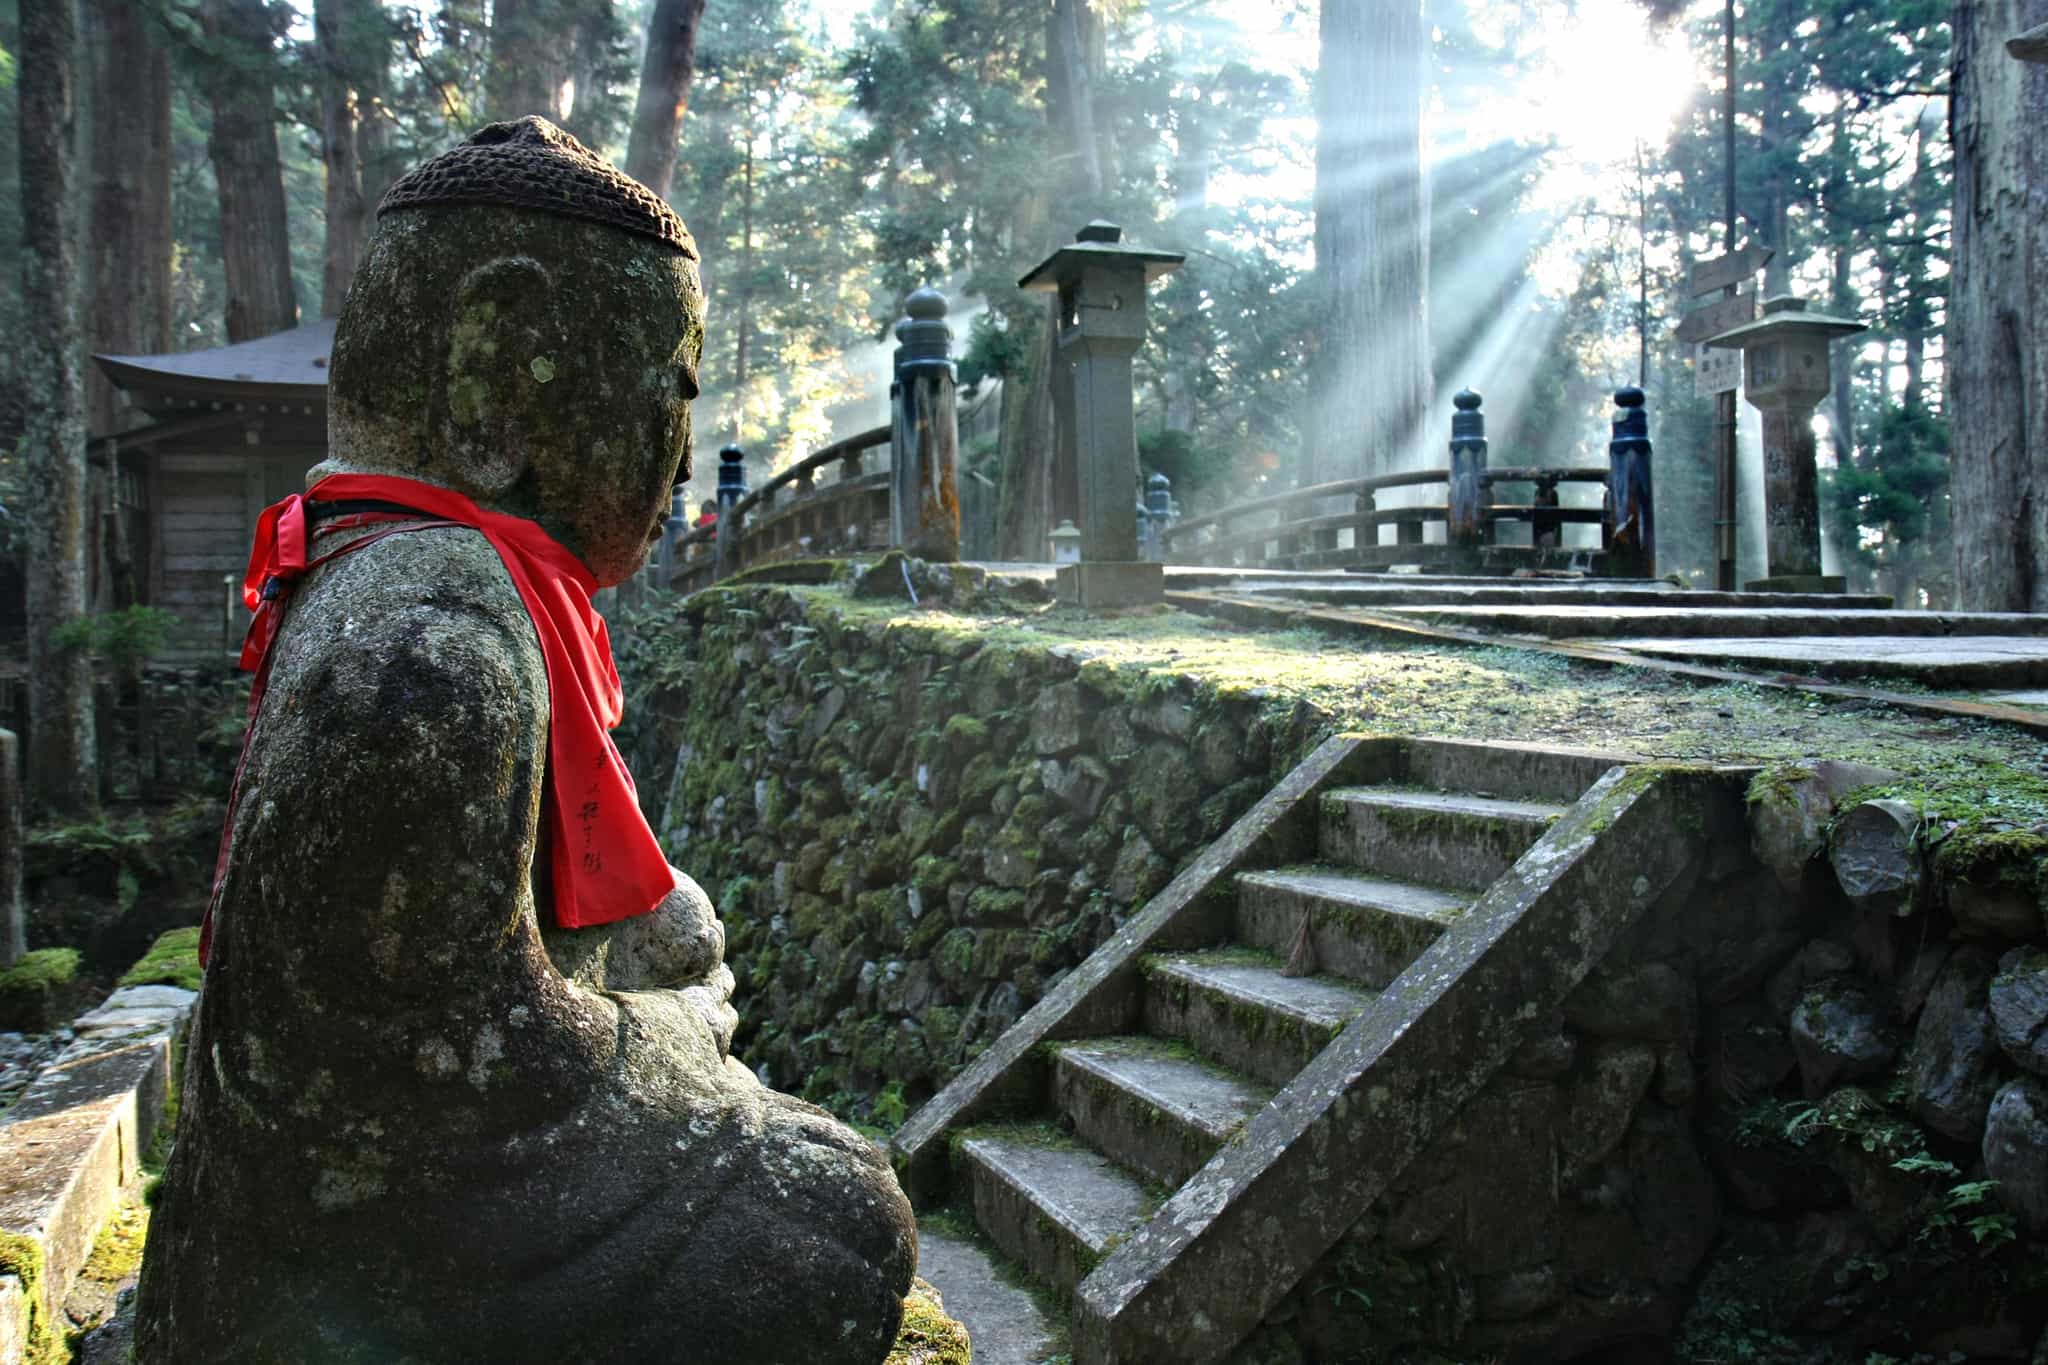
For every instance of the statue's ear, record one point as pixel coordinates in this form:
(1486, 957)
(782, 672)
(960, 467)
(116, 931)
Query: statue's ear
(502, 345)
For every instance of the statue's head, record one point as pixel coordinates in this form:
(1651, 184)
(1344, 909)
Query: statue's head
(525, 328)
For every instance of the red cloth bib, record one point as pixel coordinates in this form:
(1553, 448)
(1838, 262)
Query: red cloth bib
(606, 863)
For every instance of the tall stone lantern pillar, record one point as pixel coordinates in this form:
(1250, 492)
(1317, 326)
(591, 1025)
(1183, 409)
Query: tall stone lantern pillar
(1784, 374)
(1101, 285)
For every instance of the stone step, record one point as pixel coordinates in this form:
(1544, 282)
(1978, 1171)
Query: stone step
(1235, 1007)
(1048, 1203)
(1150, 1105)
(1541, 773)
(1437, 838)
(1680, 620)
(1365, 928)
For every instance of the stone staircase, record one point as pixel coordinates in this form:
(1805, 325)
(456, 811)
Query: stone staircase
(1163, 1138)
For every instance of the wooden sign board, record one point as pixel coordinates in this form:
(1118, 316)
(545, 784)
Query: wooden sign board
(1721, 271)
(1715, 371)
(1714, 318)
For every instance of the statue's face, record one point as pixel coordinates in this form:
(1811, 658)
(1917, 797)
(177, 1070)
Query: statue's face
(544, 366)
(608, 498)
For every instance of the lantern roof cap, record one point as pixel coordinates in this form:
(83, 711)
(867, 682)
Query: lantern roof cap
(1784, 315)
(1099, 242)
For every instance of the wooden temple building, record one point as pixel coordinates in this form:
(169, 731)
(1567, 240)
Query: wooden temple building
(217, 436)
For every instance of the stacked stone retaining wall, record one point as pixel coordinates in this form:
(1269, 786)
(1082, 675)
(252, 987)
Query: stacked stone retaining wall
(912, 833)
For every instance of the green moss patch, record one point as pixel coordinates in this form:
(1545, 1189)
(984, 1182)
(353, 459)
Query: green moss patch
(22, 1257)
(33, 989)
(173, 960)
(928, 1336)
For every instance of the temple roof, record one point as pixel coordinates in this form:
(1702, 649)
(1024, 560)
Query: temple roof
(289, 366)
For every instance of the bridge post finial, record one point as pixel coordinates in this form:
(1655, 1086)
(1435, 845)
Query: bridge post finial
(1629, 523)
(924, 438)
(732, 486)
(1468, 526)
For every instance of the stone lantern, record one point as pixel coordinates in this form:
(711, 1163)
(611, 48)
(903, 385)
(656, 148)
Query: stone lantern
(1784, 374)
(1101, 285)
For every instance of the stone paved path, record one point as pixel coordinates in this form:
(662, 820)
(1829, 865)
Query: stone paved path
(1005, 1323)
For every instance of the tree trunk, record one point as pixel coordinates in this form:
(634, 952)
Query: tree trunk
(1842, 406)
(664, 92)
(529, 69)
(1034, 492)
(340, 151)
(378, 161)
(742, 310)
(255, 241)
(1024, 505)
(61, 768)
(1997, 335)
(1370, 383)
(130, 242)
(1070, 66)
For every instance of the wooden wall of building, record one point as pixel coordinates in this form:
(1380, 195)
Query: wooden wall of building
(203, 511)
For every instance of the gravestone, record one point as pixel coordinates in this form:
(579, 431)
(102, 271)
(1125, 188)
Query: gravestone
(420, 1123)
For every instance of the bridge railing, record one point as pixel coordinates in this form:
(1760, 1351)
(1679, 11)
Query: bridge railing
(1311, 528)
(833, 502)
(1341, 524)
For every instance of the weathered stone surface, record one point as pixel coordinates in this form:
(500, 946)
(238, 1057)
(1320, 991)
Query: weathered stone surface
(1789, 810)
(2016, 1150)
(1950, 1065)
(1079, 784)
(1840, 1033)
(1992, 877)
(1059, 719)
(1748, 1052)
(1649, 1001)
(409, 1134)
(1139, 871)
(1875, 852)
(1165, 791)
(1601, 1102)
(2019, 1008)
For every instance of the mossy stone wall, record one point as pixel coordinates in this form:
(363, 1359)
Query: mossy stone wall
(911, 834)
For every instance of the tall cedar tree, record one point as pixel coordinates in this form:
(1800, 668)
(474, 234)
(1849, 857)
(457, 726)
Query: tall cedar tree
(1370, 380)
(350, 61)
(255, 238)
(1997, 331)
(61, 771)
(130, 195)
(529, 72)
(664, 92)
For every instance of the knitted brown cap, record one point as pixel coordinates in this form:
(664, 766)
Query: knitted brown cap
(529, 163)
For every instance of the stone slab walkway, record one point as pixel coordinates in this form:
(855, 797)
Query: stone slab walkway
(1005, 1323)
(1560, 619)
(1956, 663)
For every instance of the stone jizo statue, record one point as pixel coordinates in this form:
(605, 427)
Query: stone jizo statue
(423, 1122)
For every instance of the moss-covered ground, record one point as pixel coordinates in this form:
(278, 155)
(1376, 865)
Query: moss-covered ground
(1497, 692)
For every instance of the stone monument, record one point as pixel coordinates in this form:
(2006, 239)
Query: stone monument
(420, 1122)
(1100, 283)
